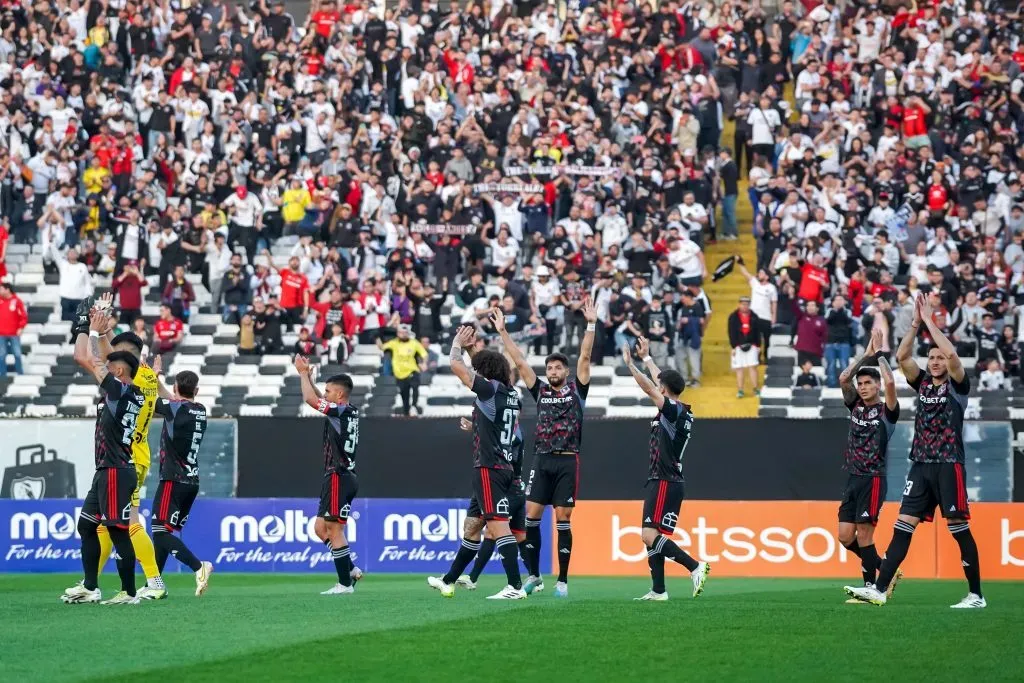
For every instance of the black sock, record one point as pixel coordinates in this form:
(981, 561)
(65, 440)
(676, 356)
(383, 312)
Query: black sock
(869, 563)
(508, 548)
(90, 551)
(482, 558)
(166, 544)
(343, 564)
(656, 561)
(902, 535)
(467, 551)
(854, 548)
(673, 552)
(126, 567)
(968, 555)
(524, 553)
(564, 550)
(533, 545)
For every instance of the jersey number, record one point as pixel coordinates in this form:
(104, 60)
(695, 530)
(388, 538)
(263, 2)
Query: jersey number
(353, 437)
(906, 489)
(508, 426)
(128, 422)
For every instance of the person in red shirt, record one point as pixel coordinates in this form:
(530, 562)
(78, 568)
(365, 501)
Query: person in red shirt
(13, 319)
(915, 127)
(814, 280)
(128, 286)
(168, 331)
(294, 293)
(5, 235)
(325, 19)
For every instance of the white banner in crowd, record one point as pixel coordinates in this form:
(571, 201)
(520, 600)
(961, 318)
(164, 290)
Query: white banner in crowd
(444, 229)
(567, 169)
(515, 188)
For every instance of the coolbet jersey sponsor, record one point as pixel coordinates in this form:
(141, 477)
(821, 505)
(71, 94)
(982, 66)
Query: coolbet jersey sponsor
(559, 417)
(180, 439)
(867, 446)
(670, 433)
(341, 436)
(145, 381)
(495, 419)
(116, 422)
(939, 422)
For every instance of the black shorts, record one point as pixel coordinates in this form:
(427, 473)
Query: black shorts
(109, 501)
(516, 510)
(936, 483)
(554, 480)
(336, 495)
(172, 503)
(662, 502)
(493, 493)
(862, 499)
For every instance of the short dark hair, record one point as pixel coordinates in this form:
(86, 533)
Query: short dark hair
(186, 382)
(560, 357)
(342, 380)
(127, 358)
(869, 371)
(474, 271)
(128, 338)
(673, 381)
(492, 365)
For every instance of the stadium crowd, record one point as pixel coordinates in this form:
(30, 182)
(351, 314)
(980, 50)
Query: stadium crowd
(554, 150)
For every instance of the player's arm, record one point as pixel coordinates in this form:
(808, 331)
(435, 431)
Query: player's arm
(645, 382)
(643, 350)
(846, 377)
(463, 338)
(956, 368)
(94, 364)
(587, 345)
(161, 389)
(310, 395)
(905, 351)
(526, 373)
(892, 404)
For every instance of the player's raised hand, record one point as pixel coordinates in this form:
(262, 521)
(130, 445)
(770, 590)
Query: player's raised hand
(301, 365)
(877, 340)
(498, 319)
(158, 365)
(642, 347)
(104, 302)
(589, 311)
(98, 320)
(627, 357)
(465, 424)
(465, 336)
(917, 309)
(925, 307)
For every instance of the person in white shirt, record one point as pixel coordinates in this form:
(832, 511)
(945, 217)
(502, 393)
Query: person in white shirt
(764, 121)
(75, 284)
(613, 227)
(507, 213)
(686, 257)
(218, 260)
(764, 302)
(693, 215)
(882, 213)
(939, 248)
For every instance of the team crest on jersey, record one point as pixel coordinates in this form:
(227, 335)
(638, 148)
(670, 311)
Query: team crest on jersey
(942, 389)
(502, 507)
(669, 520)
(564, 390)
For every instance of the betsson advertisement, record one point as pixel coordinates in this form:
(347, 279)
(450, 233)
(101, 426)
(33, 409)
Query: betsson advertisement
(257, 535)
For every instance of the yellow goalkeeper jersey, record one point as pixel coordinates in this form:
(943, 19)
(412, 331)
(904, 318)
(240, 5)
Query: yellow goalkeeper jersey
(146, 380)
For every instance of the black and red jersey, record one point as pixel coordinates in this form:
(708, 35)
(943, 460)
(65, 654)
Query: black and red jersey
(181, 439)
(559, 417)
(495, 423)
(867, 446)
(939, 422)
(341, 436)
(670, 433)
(115, 423)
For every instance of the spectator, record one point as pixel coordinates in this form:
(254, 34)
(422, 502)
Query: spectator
(729, 173)
(4, 238)
(992, 377)
(168, 331)
(811, 334)
(408, 360)
(267, 322)
(128, 287)
(988, 341)
(690, 330)
(247, 345)
(657, 328)
(743, 338)
(218, 261)
(13, 319)
(178, 295)
(138, 326)
(838, 341)
(295, 294)
(75, 283)
(764, 302)
(807, 379)
(306, 345)
(235, 288)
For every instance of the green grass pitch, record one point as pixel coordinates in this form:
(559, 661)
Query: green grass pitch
(278, 628)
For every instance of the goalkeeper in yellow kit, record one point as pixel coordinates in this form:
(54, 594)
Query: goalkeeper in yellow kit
(148, 381)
